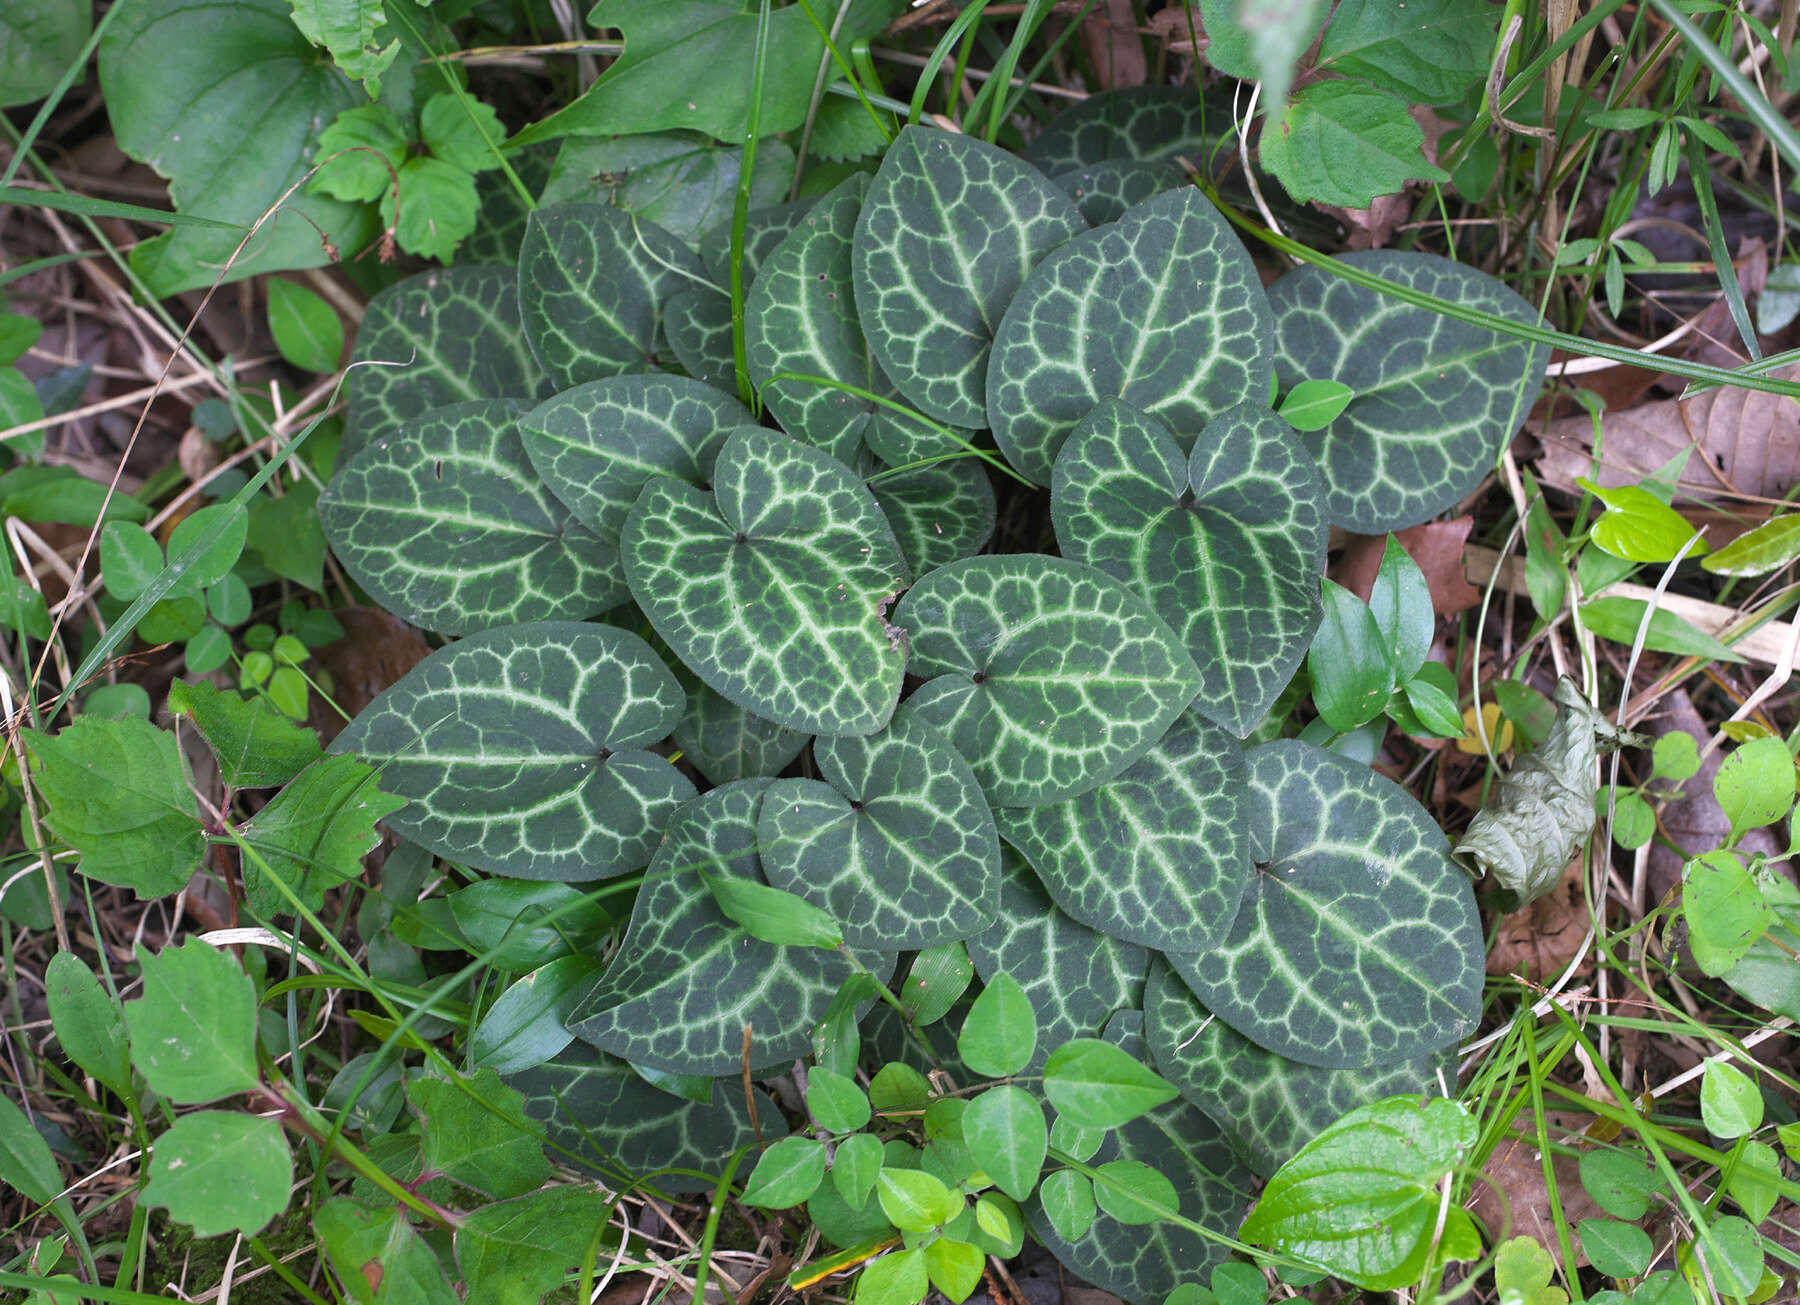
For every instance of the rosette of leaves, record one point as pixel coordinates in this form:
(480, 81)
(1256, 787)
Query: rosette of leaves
(769, 661)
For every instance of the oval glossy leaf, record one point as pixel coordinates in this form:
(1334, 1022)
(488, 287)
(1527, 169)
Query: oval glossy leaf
(999, 1034)
(1768, 547)
(725, 742)
(913, 1199)
(520, 751)
(774, 915)
(1007, 1137)
(1162, 309)
(940, 513)
(592, 282)
(1269, 1106)
(946, 236)
(1050, 677)
(440, 337)
(774, 587)
(1357, 942)
(897, 843)
(687, 979)
(597, 444)
(524, 1026)
(1093, 1084)
(600, 1111)
(1436, 398)
(788, 1173)
(1158, 855)
(1108, 191)
(1133, 122)
(1227, 543)
(447, 525)
(1074, 978)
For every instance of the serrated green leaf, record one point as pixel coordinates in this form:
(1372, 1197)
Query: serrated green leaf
(476, 1132)
(598, 444)
(522, 750)
(1106, 192)
(1436, 398)
(255, 745)
(360, 153)
(379, 1256)
(1050, 677)
(773, 588)
(929, 294)
(687, 980)
(1131, 122)
(193, 1032)
(347, 28)
(941, 513)
(117, 792)
(448, 336)
(592, 281)
(1429, 54)
(434, 208)
(1344, 953)
(521, 1249)
(1260, 40)
(449, 527)
(1227, 543)
(912, 1199)
(1096, 1085)
(314, 834)
(524, 1027)
(462, 130)
(220, 1171)
(89, 1025)
(788, 1173)
(896, 841)
(1161, 309)
(1005, 1131)
(1346, 143)
(775, 915)
(305, 328)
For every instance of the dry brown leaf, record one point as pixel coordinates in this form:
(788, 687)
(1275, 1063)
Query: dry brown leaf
(1437, 548)
(1113, 46)
(376, 650)
(1516, 1170)
(1539, 940)
(1715, 339)
(1744, 442)
(1694, 822)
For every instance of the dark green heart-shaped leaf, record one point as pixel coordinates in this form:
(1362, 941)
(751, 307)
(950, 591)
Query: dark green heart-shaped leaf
(439, 337)
(1436, 399)
(1050, 677)
(1162, 308)
(1105, 192)
(1227, 544)
(520, 750)
(1212, 1187)
(947, 235)
(800, 320)
(698, 324)
(1074, 978)
(1268, 1105)
(897, 843)
(774, 587)
(1157, 855)
(592, 281)
(596, 445)
(601, 1110)
(1134, 122)
(687, 980)
(725, 742)
(448, 526)
(940, 512)
(1357, 942)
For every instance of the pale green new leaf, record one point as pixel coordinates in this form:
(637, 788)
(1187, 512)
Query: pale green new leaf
(193, 1032)
(1007, 1137)
(221, 1171)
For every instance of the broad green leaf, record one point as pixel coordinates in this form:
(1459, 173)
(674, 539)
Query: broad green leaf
(380, 1258)
(686, 64)
(448, 526)
(999, 1034)
(117, 792)
(255, 745)
(854, 1167)
(1732, 1262)
(1227, 543)
(774, 915)
(89, 1025)
(1725, 910)
(1755, 784)
(936, 982)
(26, 1162)
(230, 123)
(130, 559)
(1146, 1262)
(1731, 1105)
(1350, 949)
(1108, 191)
(898, 1086)
(476, 1132)
(1428, 53)
(1768, 547)
(1132, 122)
(193, 1032)
(1161, 309)
(447, 336)
(592, 281)
(913, 1200)
(360, 154)
(347, 28)
(598, 444)
(896, 842)
(1638, 526)
(687, 979)
(1073, 977)
(1619, 619)
(306, 329)
(1779, 302)
(940, 513)
(947, 235)
(1348, 663)
(1755, 1184)
(1619, 1250)
(433, 208)
(800, 318)
(61, 493)
(773, 588)
(1134, 1193)
(1766, 973)
(462, 130)
(520, 1250)
(955, 1268)
(1436, 399)
(788, 1173)
(286, 536)
(1066, 1201)
(524, 1026)
(837, 1105)
(1269, 1106)
(1050, 677)
(18, 333)
(898, 1278)
(314, 834)
(220, 1171)
(1005, 1131)
(1157, 855)
(38, 42)
(1313, 405)
(1620, 1182)
(522, 751)
(504, 921)
(1261, 40)
(598, 1108)
(1401, 604)
(1361, 1200)
(1522, 1273)
(1094, 1084)
(1347, 143)
(726, 742)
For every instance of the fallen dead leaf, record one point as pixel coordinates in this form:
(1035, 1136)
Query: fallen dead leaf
(376, 650)
(1437, 548)
(1539, 940)
(1113, 45)
(1515, 1184)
